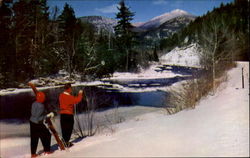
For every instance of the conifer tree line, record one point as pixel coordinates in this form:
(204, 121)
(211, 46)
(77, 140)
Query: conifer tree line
(36, 40)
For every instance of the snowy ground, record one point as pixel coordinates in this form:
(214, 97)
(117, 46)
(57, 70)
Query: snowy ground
(218, 126)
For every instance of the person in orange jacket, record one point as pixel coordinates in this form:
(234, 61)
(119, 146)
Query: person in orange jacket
(67, 102)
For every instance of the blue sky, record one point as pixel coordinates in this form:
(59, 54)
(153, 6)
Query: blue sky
(144, 9)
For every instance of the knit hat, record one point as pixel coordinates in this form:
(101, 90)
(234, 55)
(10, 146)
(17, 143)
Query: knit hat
(40, 97)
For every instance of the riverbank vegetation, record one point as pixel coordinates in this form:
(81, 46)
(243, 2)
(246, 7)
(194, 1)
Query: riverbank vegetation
(190, 93)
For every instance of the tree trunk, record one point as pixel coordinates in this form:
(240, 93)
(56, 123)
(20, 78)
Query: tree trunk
(213, 57)
(127, 58)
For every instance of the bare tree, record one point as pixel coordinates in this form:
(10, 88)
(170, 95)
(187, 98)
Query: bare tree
(87, 124)
(218, 46)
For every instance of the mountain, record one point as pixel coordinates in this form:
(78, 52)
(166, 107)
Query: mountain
(155, 29)
(166, 29)
(100, 23)
(159, 20)
(163, 26)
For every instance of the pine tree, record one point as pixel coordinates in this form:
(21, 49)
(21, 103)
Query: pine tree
(6, 44)
(124, 34)
(30, 30)
(23, 33)
(40, 46)
(67, 29)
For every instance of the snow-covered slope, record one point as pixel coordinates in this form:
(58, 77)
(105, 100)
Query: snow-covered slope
(184, 56)
(138, 24)
(218, 126)
(158, 20)
(100, 22)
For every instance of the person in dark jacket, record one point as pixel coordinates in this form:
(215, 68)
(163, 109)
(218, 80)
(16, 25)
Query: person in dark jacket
(37, 129)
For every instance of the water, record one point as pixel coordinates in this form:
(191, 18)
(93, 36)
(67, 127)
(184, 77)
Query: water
(100, 96)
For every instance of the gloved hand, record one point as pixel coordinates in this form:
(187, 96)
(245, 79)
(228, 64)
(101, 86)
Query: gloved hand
(80, 91)
(51, 115)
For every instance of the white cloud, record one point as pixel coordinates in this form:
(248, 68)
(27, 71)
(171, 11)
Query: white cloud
(108, 9)
(177, 4)
(160, 2)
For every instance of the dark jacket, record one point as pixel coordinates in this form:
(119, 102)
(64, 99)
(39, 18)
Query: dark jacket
(38, 112)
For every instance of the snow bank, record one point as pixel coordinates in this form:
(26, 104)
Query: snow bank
(149, 73)
(185, 56)
(218, 126)
(9, 91)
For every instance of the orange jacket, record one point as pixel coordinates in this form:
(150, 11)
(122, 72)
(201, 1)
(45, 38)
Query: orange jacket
(67, 102)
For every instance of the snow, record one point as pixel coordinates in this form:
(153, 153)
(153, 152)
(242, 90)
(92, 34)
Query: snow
(149, 73)
(138, 24)
(9, 91)
(158, 20)
(218, 126)
(152, 73)
(170, 15)
(187, 56)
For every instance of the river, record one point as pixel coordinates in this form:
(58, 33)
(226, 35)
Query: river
(102, 96)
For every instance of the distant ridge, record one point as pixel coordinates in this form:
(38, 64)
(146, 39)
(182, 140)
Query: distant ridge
(100, 22)
(159, 20)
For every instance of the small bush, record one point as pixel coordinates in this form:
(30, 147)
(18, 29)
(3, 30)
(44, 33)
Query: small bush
(182, 98)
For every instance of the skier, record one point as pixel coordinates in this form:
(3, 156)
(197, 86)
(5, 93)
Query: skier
(67, 102)
(37, 128)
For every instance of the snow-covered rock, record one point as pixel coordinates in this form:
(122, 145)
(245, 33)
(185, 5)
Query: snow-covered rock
(184, 56)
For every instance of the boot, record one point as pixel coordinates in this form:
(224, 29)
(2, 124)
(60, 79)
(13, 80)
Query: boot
(69, 144)
(34, 155)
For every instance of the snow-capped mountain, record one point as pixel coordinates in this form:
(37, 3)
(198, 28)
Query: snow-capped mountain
(100, 22)
(161, 19)
(157, 28)
(166, 29)
(163, 26)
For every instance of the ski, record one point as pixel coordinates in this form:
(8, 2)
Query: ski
(48, 123)
(50, 126)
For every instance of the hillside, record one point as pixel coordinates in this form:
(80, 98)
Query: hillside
(184, 56)
(230, 23)
(100, 23)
